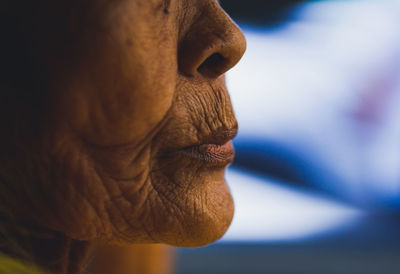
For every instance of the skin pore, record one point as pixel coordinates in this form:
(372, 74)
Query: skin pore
(120, 106)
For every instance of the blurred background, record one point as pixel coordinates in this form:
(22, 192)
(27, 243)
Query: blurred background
(316, 181)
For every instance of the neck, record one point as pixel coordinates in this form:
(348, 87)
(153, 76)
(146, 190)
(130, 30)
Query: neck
(52, 251)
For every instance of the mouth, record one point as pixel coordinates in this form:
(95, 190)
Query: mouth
(216, 149)
(212, 154)
(210, 150)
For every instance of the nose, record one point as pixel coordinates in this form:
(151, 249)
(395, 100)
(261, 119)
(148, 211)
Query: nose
(212, 45)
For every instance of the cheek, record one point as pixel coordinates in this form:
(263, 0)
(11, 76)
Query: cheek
(141, 56)
(131, 109)
(120, 92)
(139, 94)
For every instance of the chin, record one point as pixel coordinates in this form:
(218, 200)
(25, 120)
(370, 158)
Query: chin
(213, 219)
(196, 203)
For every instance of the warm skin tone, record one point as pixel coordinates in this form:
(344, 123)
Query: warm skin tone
(134, 259)
(120, 89)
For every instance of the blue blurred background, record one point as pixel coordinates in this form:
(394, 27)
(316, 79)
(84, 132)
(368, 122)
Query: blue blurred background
(316, 181)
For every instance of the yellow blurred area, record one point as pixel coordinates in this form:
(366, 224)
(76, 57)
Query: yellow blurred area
(11, 266)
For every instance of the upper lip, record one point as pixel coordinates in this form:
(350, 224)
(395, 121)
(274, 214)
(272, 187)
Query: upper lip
(219, 136)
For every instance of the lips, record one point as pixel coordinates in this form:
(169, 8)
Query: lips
(215, 149)
(212, 154)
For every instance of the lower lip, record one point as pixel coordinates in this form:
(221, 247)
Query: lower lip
(215, 155)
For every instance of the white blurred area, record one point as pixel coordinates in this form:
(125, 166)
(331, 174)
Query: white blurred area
(267, 211)
(326, 84)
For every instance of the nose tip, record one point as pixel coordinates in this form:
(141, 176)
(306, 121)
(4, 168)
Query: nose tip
(212, 46)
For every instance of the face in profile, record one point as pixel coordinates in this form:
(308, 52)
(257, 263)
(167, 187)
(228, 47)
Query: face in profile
(132, 137)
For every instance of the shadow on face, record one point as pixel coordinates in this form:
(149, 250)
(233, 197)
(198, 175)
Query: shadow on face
(118, 120)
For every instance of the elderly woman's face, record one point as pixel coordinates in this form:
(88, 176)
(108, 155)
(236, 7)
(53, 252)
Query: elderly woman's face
(138, 121)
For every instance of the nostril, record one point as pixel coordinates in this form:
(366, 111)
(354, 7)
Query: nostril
(212, 61)
(213, 65)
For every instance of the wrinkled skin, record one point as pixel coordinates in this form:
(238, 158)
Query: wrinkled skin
(119, 88)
